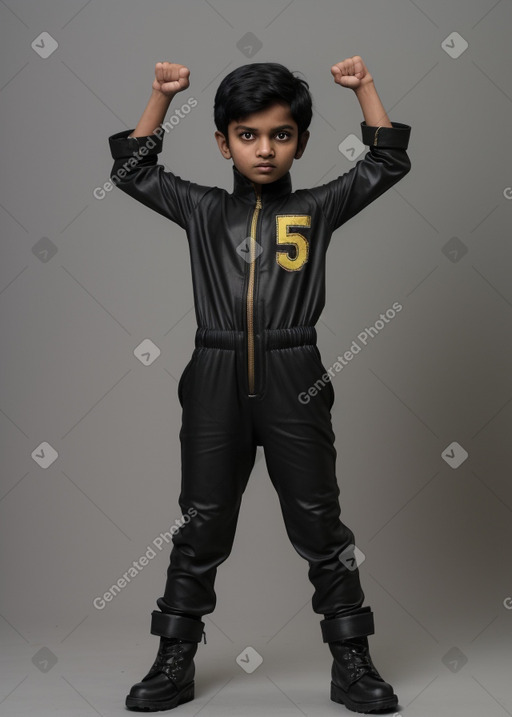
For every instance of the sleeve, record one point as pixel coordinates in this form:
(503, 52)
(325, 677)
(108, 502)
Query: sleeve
(136, 172)
(384, 165)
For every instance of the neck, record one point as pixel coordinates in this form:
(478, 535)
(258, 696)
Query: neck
(242, 186)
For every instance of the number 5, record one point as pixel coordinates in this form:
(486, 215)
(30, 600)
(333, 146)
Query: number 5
(283, 222)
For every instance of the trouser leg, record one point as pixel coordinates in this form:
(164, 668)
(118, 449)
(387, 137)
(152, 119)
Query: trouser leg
(217, 452)
(299, 449)
(300, 454)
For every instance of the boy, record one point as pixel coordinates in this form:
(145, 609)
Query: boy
(258, 268)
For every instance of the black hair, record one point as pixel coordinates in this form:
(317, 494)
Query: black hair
(254, 87)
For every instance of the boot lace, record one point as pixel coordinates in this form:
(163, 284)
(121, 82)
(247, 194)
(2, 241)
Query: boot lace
(169, 658)
(358, 660)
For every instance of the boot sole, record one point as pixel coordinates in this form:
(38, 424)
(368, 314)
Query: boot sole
(340, 696)
(184, 695)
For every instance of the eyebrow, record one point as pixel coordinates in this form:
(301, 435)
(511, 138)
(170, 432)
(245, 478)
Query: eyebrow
(254, 129)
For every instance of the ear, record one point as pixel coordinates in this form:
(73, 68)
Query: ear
(301, 144)
(223, 145)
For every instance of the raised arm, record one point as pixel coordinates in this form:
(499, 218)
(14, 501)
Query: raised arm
(170, 78)
(383, 166)
(136, 171)
(354, 74)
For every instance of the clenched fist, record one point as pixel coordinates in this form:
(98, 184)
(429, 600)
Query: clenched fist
(170, 78)
(352, 73)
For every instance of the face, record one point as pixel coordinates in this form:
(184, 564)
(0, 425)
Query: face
(264, 144)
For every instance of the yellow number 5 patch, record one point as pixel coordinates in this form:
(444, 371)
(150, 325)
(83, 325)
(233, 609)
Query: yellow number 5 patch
(283, 258)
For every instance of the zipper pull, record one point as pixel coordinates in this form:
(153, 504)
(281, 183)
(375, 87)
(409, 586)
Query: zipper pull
(257, 191)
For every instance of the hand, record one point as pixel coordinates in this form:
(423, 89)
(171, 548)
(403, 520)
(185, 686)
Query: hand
(352, 73)
(170, 78)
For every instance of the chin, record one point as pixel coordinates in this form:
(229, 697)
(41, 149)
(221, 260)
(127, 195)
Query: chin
(267, 178)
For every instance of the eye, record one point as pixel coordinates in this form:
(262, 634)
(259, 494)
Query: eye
(282, 132)
(242, 135)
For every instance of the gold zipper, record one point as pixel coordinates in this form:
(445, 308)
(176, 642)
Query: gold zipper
(250, 296)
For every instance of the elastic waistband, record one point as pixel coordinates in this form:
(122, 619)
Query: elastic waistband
(273, 338)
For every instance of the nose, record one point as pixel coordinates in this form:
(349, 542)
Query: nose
(264, 148)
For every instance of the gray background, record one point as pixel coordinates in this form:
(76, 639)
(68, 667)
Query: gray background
(83, 281)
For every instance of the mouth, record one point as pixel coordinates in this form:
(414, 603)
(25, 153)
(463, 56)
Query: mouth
(265, 167)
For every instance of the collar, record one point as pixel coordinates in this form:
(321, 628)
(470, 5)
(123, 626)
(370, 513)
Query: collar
(243, 187)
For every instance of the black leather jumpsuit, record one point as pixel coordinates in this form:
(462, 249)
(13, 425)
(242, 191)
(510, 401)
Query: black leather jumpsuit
(258, 269)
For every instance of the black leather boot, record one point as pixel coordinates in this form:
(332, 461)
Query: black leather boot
(170, 680)
(355, 680)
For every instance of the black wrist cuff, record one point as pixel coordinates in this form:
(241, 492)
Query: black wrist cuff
(123, 146)
(396, 137)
